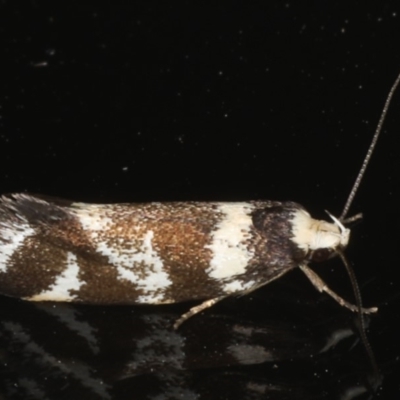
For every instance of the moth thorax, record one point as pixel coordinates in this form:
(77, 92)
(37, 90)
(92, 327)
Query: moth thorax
(317, 238)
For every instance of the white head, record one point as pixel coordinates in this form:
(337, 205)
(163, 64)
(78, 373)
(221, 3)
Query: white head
(317, 237)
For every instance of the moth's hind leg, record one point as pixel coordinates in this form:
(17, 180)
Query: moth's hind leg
(321, 286)
(196, 310)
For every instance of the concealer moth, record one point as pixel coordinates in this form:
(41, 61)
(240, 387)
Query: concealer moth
(160, 253)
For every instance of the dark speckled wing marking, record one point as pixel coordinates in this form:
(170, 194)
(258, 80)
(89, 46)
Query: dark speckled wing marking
(150, 253)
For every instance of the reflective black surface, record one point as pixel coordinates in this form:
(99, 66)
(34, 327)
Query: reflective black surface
(187, 101)
(234, 350)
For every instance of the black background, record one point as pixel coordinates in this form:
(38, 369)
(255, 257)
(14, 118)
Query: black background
(144, 100)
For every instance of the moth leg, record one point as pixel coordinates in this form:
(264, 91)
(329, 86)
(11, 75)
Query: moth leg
(321, 286)
(196, 309)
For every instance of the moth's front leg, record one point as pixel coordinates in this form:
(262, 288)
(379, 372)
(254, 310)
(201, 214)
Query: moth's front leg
(321, 286)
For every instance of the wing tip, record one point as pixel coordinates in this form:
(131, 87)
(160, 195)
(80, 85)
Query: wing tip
(30, 208)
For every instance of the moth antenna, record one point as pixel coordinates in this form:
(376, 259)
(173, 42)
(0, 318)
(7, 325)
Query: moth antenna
(361, 320)
(370, 151)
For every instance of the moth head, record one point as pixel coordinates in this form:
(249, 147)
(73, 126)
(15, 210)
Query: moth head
(317, 238)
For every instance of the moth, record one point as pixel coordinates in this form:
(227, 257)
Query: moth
(160, 253)
(155, 253)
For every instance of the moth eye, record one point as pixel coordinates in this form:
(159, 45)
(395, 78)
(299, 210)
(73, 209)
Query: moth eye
(320, 255)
